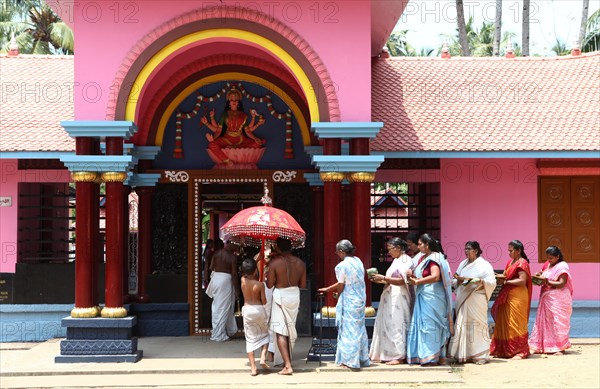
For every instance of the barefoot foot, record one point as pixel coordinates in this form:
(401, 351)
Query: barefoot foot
(263, 364)
(254, 373)
(393, 362)
(285, 371)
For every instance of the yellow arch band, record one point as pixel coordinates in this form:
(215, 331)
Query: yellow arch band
(160, 133)
(278, 52)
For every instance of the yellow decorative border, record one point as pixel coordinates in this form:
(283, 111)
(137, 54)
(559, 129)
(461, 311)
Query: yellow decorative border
(305, 131)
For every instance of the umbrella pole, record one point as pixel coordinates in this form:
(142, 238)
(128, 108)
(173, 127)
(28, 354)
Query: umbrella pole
(262, 262)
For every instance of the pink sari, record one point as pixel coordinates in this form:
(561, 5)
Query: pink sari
(551, 330)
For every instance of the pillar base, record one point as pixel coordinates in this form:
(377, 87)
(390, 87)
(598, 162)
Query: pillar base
(133, 358)
(115, 312)
(85, 313)
(99, 340)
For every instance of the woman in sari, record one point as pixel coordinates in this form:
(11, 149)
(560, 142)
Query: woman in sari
(550, 333)
(431, 324)
(511, 308)
(474, 282)
(412, 238)
(352, 341)
(395, 308)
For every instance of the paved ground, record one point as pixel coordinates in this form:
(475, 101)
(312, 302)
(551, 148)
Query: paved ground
(195, 362)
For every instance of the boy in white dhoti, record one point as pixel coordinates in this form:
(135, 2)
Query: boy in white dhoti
(256, 317)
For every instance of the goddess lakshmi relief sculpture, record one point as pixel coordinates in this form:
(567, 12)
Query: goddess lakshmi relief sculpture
(232, 143)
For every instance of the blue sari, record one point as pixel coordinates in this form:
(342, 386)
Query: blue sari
(352, 341)
(431, 324)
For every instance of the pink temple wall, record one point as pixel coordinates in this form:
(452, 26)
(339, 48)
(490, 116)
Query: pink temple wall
(494, 201)
(345, 52)
(10, 176)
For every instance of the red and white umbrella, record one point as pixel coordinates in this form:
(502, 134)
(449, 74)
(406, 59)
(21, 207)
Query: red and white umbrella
(255, 226)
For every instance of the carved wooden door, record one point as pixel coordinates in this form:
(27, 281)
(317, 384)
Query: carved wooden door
(569, 217)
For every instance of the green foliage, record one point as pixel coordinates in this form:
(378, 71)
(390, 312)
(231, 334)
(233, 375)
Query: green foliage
(205, 222)
(398, 46)
(399, 188)
(560, 48)
(481, 40)
(35, 27)
(591, 42)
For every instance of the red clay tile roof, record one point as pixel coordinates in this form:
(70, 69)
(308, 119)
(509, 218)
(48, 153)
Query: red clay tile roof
(36, 94)
(487, 104)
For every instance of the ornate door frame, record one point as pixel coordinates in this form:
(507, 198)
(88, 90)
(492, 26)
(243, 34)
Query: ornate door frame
(194, 180)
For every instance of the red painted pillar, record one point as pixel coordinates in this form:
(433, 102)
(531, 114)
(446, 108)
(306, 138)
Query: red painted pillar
(127, 219)
(361, 194)
(317, 248)
(115, 224)
(98, 258)
(332, 198)
(144, 240)
(85, 232)
(347, 231)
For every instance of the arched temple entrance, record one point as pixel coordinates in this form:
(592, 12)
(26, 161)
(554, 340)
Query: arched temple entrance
(170, 85)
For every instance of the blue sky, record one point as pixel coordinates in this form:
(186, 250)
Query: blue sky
(427, 19)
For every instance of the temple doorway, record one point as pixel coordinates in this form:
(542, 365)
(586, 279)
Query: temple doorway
(217, 202)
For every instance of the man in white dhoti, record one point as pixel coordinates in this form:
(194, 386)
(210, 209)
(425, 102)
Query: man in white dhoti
(287, 273)
(256, 317)
(223, 289)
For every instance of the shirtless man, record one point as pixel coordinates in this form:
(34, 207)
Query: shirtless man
(223, 289)
(287, 273)
(256, 317)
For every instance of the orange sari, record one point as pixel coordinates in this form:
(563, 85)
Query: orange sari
(511, 314)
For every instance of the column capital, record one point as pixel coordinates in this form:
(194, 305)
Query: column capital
(145, 152)
(99, 129)
(98, 163)
(114, 176)
(142, 179)
(346, 130)
(361, 177)
(347, 163)
(332, 176)
(84, 176)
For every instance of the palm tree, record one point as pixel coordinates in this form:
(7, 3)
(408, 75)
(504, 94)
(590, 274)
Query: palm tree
(36, 28)
(397, 45)
(560, 48)
(584, 18)
(498, 28)
(462, 29)
(525, 37)
(480, 40)
(591, 42)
